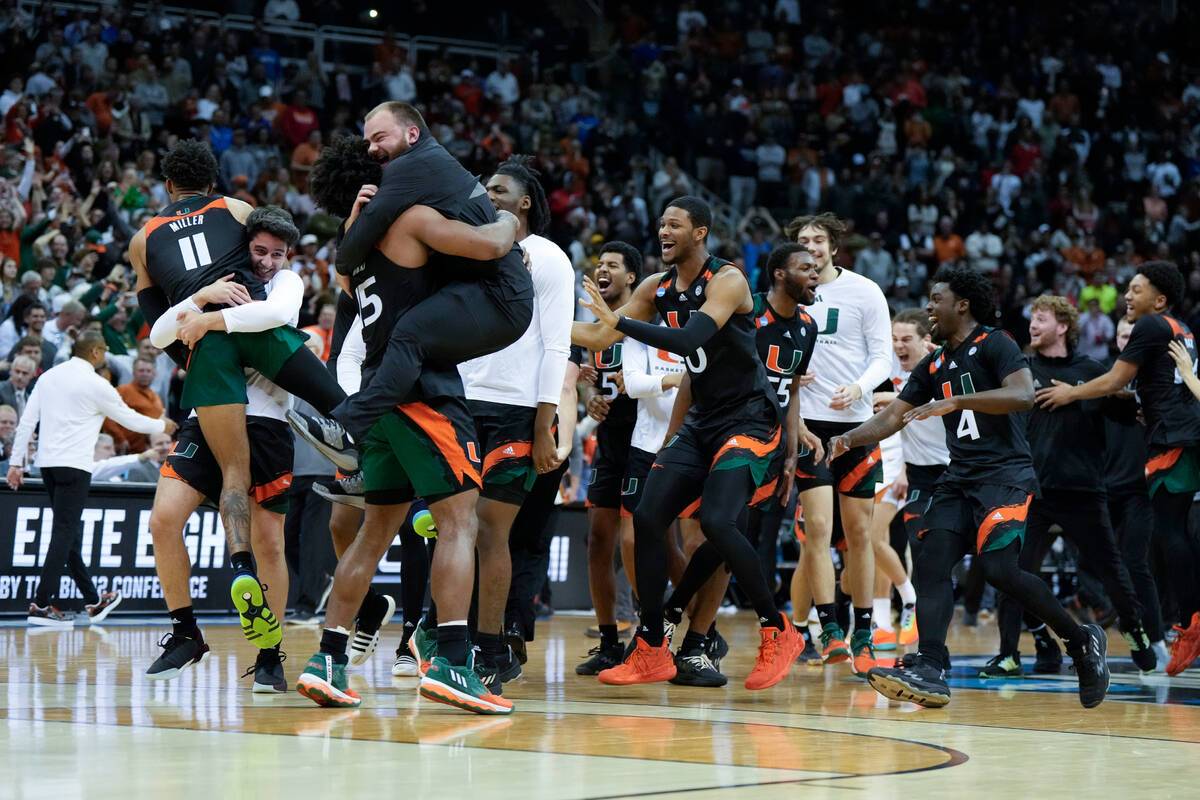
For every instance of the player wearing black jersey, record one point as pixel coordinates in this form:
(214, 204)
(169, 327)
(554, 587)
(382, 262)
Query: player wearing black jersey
(491, 302)
(424, 447)
(976, 382)
(785, 339)
(197, 240)
(617, 271)
(727, 442)
(1067, 445)
(1172, 432)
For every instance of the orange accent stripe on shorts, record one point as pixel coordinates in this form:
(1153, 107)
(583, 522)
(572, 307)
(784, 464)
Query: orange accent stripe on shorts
(157, 222)
(509, 450)
(272, 489)
(1164, 461)
(690, 511)
(743, 442)
(167, 471)
(999, 516)
(445, 438)
(764, 491)
(851, 478)
(910, 516)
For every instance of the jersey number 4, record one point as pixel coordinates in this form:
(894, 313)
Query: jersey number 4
(194, 250)
(967, 428)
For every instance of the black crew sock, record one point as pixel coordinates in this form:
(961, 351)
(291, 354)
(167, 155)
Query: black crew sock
(183, 623)
(827, 613)
(673, 615)
(692, 643)
(453, 644)
(862, 619)
(409, 627)
(937, 653)
(608, 637)
(1041, 634)
(712, 631)
(242, 562)
(430, 620)
(843, 614)
(654, 637)
(371, 612)
(334, 643)
(492, 645)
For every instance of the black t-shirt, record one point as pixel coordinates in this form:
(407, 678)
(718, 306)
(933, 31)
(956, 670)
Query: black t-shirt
(1172, 412)
(1068, 444)
(195, 241)
(726, 373)
(1125, 446)
(984, 448)
(785, 346)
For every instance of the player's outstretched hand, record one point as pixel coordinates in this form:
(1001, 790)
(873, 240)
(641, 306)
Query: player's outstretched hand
(1056, 396)
(594, 302)
(937, 408)
(838, 446)
(845, 396)
(813, 443)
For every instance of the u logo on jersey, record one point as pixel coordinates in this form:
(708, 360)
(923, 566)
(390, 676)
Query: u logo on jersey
(773, 361)
(610, 357)
(831, 323)
(472, 452)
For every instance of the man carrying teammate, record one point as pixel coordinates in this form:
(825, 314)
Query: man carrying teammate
(422, 447)
(191, 473)
(1172, 432)
(976, 382)
(854, 357)
(1068, 446)
(726, 446)
(193, 242)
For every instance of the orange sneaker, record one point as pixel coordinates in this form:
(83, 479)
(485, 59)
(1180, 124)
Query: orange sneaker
(908, 626)
(834, 649)
(644, 664)
(776, 652)
(884, 640)
(1186, 646)
(863, 652)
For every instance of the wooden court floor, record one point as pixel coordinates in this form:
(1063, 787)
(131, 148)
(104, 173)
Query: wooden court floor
(78, 719)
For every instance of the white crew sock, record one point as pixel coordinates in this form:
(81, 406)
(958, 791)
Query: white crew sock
(882, 613)
(908, 593)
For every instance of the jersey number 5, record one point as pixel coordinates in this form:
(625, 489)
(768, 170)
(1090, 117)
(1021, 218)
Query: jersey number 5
(194, 250)
(368, 302)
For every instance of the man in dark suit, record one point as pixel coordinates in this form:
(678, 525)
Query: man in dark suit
(15, 390)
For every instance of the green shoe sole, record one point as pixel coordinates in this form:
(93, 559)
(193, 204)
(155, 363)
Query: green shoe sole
(259, 625)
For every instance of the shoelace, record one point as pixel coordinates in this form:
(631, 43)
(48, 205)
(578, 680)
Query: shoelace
(768, 647)
(282, 656)
(332, 432)
(170, 641)
(699, 661)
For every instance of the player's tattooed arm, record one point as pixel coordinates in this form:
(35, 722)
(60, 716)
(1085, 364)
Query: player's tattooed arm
(876, 429)
(597, 336)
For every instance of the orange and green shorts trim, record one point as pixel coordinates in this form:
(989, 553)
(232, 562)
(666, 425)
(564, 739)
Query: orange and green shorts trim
(1176, 470)
(419, 450)
(762, 456)
(993, 516)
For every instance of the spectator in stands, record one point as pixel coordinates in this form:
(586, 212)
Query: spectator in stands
(1096, 331)
(15, 391)
(139, 395)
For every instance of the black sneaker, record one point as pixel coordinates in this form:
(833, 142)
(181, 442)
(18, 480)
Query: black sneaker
(717, 648)
(1049, 656)
(347, 491)
(1003, 666)
(1139, 649)
(922, 682)
(809, 656)
(970, 619)
(1091, 666)
(302, 617)
(268, 672)
(602, 658)
(179, 653)
(697, 669)
(516, 640)
(329, 437)
(494, 671)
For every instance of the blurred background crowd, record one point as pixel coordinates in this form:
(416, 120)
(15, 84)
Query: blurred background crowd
(1052, 145)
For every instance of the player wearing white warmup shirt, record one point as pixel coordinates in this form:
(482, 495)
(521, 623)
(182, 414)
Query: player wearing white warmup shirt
(513, 395)
(853, 356)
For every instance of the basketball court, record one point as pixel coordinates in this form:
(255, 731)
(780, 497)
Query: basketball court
(81, 720)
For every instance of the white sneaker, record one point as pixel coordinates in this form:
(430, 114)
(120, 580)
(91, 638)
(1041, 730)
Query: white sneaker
(363, 645)
(1162, 656)
(405, 666)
